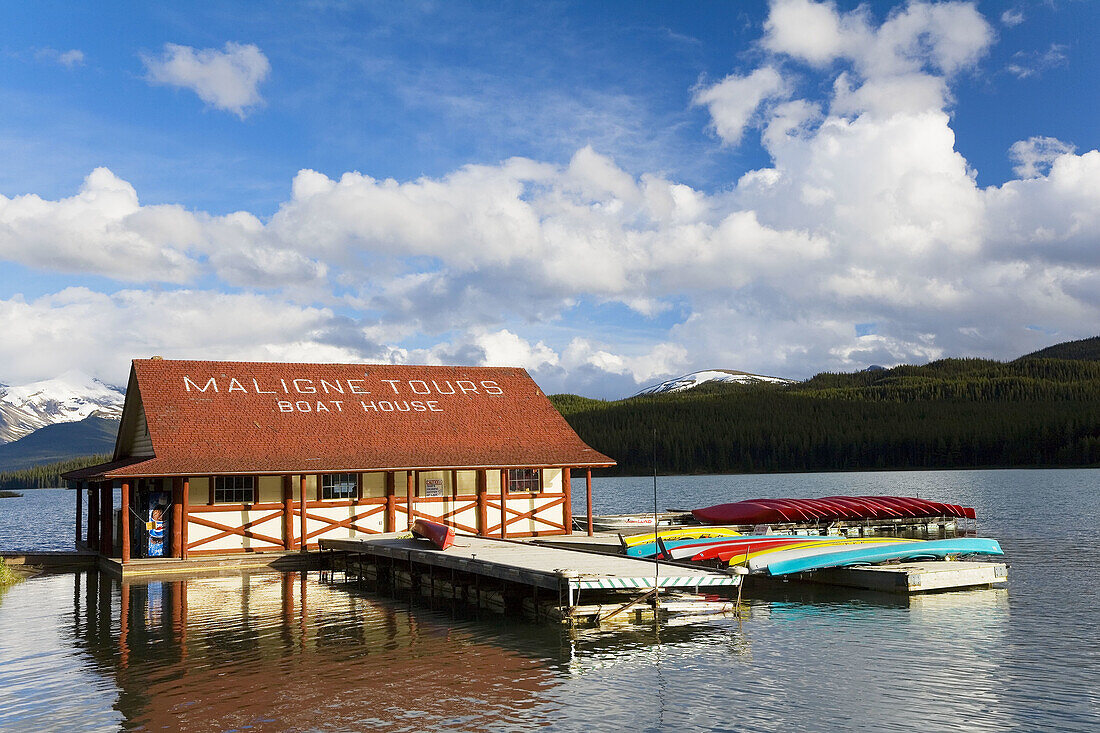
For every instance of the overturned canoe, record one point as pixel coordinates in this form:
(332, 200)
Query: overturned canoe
(438, 534)
(829, 508)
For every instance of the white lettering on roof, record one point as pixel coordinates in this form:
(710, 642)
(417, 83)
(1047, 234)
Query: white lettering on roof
(309, 385)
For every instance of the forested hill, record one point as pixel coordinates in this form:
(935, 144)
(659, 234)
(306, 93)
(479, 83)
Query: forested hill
(1083, 349)
(951, 413)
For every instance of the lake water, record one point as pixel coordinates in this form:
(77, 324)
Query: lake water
(291, 651)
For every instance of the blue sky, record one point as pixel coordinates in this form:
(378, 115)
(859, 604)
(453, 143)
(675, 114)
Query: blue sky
(605, 193)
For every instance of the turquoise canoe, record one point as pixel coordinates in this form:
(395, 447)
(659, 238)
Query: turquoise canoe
(871, 554)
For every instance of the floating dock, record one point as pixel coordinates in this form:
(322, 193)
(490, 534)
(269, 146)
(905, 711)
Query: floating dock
(913, 577)
(511, 572)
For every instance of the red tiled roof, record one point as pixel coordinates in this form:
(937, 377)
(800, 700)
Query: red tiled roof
(208, 417)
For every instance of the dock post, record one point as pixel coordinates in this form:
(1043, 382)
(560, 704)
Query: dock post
(302, 509)
(482, 501)
(288, 513)
(177, 516)
(391, 502)
(107, 516)
(93, 516)
(79, 511)
(567, 490)
(124, 510)
(588, 497)
(504, 503)
(185, 510)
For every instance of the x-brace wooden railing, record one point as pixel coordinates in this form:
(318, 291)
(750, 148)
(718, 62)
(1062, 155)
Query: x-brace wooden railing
(333, 523)
(515, 515)
(448, 517)
(244, 530)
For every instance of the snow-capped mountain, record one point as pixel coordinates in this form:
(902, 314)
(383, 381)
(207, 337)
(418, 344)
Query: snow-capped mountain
(69, 398)
(688, 381)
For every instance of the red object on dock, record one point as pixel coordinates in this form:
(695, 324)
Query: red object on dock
(779, 511)
(440, 535)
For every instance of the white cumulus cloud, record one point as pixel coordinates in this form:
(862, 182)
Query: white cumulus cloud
(228, 79)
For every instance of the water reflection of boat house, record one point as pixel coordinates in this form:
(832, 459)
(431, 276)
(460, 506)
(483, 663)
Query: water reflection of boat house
(286, 651)
(233, 457)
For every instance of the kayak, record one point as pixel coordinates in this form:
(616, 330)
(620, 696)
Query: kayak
(702, 549)
(739, 555)
(438, 534)
(787, 562)
(693, 536)
(685, 533)
(685, 548)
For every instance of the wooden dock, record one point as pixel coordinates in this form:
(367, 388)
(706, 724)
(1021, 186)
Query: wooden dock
(524, 565)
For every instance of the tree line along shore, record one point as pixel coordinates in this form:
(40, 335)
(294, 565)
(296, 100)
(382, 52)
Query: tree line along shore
(952, 413)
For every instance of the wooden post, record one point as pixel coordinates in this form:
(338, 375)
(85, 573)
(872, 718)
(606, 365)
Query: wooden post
(411, 479)
(504, 502)
(125, 516)
(391, 501)
(482, 501)
(454, 486)
(288, 514)
(107, 510)
(93, 516)
(567, 489)
(185, 511)
(79, 511)
(302, 508)
(177, 516)
(588, 496)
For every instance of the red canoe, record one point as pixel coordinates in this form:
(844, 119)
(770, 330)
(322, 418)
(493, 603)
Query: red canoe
(830, 508)
(438, 534)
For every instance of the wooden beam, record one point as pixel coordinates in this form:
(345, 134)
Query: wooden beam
(302, 509)
(79, 511)
(454, 484)
(588, 496)
(567, 489)
(177, 515)
(411, 478)
(107, 511)
(210, 499)
(93, 516)
(504, 502)
(288, 514)
(482, 501)
(125, 516)
(391, 501)
(186, 512)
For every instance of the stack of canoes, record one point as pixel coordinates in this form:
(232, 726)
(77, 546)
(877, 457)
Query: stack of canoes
(786, 554)
(828, 509)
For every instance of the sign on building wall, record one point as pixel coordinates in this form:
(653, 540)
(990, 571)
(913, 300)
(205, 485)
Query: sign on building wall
(433, 487)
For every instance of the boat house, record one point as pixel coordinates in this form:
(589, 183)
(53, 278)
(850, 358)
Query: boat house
(228, 457)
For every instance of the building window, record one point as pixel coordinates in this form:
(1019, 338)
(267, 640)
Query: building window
(338, 486)
(523, 480)
(234, 490)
